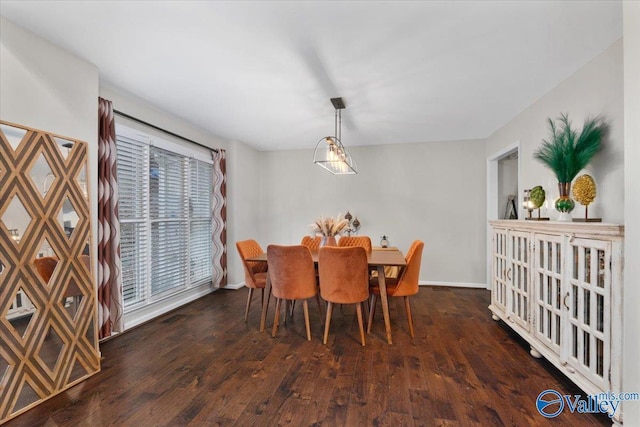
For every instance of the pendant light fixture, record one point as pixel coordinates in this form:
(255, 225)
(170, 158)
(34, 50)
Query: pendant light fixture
(330, 153)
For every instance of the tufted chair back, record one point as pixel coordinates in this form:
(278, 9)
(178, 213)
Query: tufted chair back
(247, 249)
(362, 241)
(311, 242)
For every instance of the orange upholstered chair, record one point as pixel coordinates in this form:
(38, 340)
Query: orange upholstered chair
(45, 267)
(362, 241)
(404, 286)
(293, 277)
(344, 279)
(255, 273)
(311, 242)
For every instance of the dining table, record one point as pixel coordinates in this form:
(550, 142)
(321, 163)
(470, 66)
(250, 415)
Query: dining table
(378, 259)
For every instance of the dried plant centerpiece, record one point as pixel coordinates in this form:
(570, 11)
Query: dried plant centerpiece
(567, 152)
(329, 227)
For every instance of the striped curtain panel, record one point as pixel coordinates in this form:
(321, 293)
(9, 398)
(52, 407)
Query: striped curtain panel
(219, 219)
(110, 304)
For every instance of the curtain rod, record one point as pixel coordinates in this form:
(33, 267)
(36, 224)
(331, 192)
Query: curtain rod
(135, 119)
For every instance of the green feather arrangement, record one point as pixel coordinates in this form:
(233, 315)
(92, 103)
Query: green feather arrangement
(566, 152)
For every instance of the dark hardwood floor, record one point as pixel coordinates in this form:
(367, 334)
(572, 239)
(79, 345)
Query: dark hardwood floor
(201, 365)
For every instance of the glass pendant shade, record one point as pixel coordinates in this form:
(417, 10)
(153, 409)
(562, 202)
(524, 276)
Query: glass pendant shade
(330, 153)
(334, 157)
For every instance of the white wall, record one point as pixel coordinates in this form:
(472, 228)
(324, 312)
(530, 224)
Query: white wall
(243, 210)
(631, 300)
(434, 192)
(595, 89)
(45, 87)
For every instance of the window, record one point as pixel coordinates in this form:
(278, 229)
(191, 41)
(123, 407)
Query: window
(165, 217)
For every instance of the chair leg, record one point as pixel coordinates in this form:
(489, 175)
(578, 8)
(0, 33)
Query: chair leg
(407, 307)
(293, 305)
(305, 307)
(246, 311)
(276, 318)
(327, 322)
(372, 311)
(360, 323)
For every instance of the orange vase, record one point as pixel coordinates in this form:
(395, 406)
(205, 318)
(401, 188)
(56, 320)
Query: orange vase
(328, 241)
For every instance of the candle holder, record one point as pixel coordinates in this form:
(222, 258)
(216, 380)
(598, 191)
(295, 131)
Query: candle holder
(530, 205)
(354, 224)
(527, 203)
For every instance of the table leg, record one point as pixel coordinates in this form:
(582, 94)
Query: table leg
(385, 302)
(263, 317)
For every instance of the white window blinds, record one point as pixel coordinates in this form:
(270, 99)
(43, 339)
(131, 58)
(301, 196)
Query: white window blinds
(165, 215)
(133, 189)
(169, 221)
(200, 182)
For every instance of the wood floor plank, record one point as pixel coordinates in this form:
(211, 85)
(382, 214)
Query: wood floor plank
(202, 365)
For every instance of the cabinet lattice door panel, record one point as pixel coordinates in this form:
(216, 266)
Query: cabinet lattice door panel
(559, 286)
(547, 298)
(518, 279)
(589, 320)
(499, 270)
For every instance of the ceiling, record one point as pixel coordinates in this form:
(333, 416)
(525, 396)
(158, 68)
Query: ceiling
(263, 72)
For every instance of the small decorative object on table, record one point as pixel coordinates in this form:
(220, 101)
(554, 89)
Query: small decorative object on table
(567, 152)
(329, 228)
(384, 241)
(534, 199)
(584, 191)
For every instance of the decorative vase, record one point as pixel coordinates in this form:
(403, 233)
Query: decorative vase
(328, 241)
(564, 204)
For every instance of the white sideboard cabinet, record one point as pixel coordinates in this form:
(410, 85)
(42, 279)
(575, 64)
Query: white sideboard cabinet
(559, 285)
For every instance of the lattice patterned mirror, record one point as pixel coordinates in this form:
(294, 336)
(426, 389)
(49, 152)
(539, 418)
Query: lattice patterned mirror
(47, 293)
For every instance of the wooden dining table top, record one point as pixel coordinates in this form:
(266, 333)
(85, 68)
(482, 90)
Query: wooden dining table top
(377, 257)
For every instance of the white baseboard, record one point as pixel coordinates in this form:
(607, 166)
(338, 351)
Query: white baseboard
(454, 284)
(422, 283)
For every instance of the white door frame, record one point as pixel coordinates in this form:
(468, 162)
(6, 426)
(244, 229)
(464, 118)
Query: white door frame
(492, 194)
